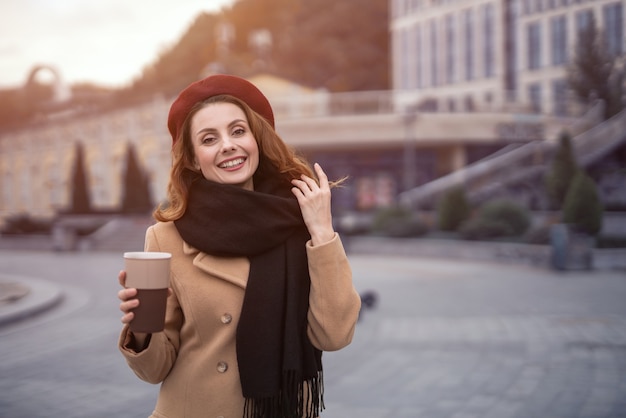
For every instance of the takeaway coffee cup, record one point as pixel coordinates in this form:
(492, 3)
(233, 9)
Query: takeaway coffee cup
(149, 273)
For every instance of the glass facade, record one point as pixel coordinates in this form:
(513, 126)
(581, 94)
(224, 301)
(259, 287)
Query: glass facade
(559, 97)
(558, 40)
(434, 54)
(488, 40)
(450, 48)
(534, 45)
(614, 27)
(468, 31)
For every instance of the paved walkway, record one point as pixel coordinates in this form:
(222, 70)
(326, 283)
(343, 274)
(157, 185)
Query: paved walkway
(448, 338)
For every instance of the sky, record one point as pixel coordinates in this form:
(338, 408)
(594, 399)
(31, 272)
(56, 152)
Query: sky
(104, 42)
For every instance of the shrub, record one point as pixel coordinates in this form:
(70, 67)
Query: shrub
(512, 214)
(497, 218)
(582, 208)
(397, 221)
(24, 224)
(483, 228)
(453, 209)
(562, 170)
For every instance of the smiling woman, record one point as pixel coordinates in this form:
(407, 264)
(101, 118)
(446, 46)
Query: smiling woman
(260, 282)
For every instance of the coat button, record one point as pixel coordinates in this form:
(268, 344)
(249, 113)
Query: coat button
(227, 318)
(222, 366)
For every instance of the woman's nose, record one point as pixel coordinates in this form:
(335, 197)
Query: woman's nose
(228, 144)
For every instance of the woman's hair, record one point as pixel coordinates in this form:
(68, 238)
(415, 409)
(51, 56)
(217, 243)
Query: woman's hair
(271, 149)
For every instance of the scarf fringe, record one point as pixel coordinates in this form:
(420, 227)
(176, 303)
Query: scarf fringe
(290, 403)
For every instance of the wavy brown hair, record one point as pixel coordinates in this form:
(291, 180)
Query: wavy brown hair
(271, 149)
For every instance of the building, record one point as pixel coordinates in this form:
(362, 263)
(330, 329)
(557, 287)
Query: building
(494, 55)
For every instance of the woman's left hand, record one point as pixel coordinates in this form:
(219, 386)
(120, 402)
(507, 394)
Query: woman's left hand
(314, 201)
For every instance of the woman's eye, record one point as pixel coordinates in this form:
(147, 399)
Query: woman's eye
(239, 131)
(208, 140)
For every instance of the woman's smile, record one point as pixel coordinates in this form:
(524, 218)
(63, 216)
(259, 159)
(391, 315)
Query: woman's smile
(232, 164)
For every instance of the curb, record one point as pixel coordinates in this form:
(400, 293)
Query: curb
(42, 296)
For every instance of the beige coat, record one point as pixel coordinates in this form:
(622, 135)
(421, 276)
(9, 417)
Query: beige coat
(194, 358)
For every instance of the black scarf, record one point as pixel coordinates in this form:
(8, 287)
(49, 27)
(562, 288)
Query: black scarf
(280, 371)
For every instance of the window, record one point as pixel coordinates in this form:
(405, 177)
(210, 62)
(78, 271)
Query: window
(468, 32)
(469, 104)
(450, 48)
(451, 105)
(488, 47)
(534, 97)
(534, 46)
(558, 29)
(404, 59)
(418, 57)
(613, 27)
(559, 96)
(583, 20)
(434, 54)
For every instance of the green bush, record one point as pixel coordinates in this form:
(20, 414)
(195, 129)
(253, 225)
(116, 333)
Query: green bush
(453, 209)
(484, 228)
(509, 212)
(397, 221)
(562, 171)
(24, 225)
(582, 208)
(497, 218)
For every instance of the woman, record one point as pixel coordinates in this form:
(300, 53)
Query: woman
(260, 282)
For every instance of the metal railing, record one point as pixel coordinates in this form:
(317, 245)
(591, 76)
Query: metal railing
(484, 177)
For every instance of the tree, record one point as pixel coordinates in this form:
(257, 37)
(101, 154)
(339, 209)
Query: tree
(80, 193)
(136, 192)
(583, 207)
(338, 45)
(562, 171)
(453, 209)
(594, 72)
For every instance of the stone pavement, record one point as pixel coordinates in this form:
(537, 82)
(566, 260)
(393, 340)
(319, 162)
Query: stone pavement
(447, 338)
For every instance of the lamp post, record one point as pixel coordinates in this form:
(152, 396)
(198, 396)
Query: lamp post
(409, 159)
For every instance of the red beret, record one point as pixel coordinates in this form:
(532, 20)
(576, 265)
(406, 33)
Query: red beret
(215, 85)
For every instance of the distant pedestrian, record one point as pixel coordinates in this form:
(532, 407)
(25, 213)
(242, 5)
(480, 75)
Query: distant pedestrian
(260, 282)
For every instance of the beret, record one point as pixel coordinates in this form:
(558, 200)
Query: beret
(215, 85)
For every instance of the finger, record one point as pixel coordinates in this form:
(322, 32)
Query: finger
(298, 193)
(301, 185)
(126, 294)
(311, 183)
(127, 317)
(129, 305)
(321, 175)
(121, 277)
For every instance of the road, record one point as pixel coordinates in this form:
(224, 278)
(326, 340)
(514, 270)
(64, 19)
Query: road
(448, 338)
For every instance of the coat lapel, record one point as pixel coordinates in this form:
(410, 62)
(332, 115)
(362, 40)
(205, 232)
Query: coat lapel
(234, 270)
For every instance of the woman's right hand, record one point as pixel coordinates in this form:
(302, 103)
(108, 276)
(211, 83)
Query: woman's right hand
(128, 299)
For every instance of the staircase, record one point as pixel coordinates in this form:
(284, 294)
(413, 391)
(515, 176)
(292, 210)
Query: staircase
(517, 166)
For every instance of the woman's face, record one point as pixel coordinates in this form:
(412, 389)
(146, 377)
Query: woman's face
(225, 150)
